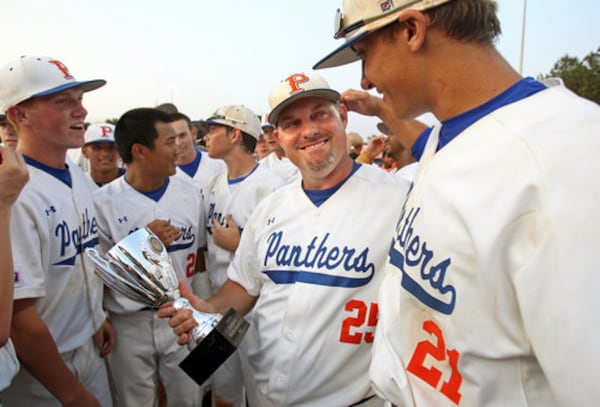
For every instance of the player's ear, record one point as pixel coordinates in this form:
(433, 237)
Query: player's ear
(414, 26)
(17, 115)
(138, 151)
(84, 151)
(343, 112)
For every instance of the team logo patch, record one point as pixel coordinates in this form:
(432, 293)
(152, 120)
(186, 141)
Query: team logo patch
(386, 5)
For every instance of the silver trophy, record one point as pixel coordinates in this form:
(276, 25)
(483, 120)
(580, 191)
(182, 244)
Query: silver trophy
(139, 267)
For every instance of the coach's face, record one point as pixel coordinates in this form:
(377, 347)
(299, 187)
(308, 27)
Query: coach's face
(313, 136)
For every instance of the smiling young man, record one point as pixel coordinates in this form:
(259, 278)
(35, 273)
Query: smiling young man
(150, 195)
(309, 261)
(58, 322)
(192, 161)
(100, 150)
(490, 294)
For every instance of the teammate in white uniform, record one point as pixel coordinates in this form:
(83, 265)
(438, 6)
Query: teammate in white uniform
(276, 160)
(150, 194)
(490, 295)
(229, 199)
(310, 260)
(13, 176)
(57, 308)
(8, 134)
(101, 152)
(191, 161)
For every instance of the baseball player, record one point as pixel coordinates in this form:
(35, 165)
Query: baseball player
(192, 161)
(150, 194)
(490, 296)
(310, 260)
(13, 176)
(101, 152)
(229, 199)
(58, 322)
(276, 160)
(8, 134)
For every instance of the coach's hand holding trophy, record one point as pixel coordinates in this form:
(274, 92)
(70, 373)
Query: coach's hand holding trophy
(139, 267)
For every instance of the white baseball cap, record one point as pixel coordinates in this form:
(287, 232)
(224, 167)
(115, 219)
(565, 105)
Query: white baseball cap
(265, 122)
(99, 132)
(298, 86)
(236, 116)
(33, 76)
(362, 17)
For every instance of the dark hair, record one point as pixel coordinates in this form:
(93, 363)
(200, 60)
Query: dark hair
(138, 126)
(176, 116)
(464, 20)
(248, 142)
(468, 20)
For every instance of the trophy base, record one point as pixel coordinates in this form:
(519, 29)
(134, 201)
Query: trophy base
(215, 348)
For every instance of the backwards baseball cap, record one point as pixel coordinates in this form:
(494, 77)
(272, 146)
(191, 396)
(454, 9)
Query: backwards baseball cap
(264, 124)
(99, 132)
(236, 116)
(298, 86)
(33, 76)
(360, 18)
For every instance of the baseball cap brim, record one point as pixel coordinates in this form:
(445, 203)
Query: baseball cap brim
(85, 86)
(342, 55)
(328, 94)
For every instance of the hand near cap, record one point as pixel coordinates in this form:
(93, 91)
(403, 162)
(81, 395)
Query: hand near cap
(364, 103)
(13, 176)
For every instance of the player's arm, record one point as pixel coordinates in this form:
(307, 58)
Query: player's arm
(13, 176)
(38, 353)
(230, 295)
(408, 130)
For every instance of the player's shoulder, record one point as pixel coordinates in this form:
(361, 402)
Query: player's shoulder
(114, 187)
(374, 174)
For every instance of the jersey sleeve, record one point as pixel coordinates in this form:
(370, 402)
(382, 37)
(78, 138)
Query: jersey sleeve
(243, 269)
(29, 264)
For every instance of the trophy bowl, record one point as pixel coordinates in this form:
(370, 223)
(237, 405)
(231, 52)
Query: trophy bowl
(139, 267)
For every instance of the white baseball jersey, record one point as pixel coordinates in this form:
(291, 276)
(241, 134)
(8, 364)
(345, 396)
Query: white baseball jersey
(9, 363)
(52, 223)
(316, 271)
(281, 166)
(202, 169)
(490, 295)
(237, 197)
(123, 209)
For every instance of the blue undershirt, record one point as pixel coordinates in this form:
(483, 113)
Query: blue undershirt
(457, 124)
(191, 168)
(62, 175)
(321, 195)
(156, 194)
(234, 181)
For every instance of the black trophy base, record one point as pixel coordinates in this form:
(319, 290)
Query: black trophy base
(216, 347)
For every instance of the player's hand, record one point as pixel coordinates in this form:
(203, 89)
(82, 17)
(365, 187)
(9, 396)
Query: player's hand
(182, 321)
(13, 176)
(105, 338)
(362, 102)
(376, 145)
(227, 237)
(163, 229)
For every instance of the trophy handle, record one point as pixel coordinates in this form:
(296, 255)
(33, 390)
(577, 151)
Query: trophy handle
(206, 321)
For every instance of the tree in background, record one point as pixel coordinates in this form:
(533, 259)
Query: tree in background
(582, 77)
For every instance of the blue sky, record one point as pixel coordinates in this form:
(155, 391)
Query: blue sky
(201, 55)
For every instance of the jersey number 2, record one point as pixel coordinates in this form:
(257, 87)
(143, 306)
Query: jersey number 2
(438, 352)
(191, 265)
(364, 316)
